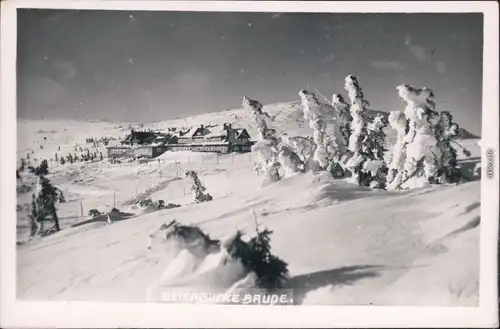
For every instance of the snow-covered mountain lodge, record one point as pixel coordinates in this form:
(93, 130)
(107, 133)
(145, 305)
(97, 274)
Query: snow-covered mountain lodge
(210, 138)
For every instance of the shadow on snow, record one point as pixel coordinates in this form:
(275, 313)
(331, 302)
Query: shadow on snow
(302, 284)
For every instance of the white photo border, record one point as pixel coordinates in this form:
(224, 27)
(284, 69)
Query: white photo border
(15, 313)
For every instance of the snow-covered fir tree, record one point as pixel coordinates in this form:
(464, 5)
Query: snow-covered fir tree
(43, 208)
(271, 271)
(446, 129)
(43, 168)
(423, 155)
(373, 149)
(197, 188)
(266, 161)
(272, 156)
(398, 122)
(342, 109)
(357, 110)
(375, 137)
(311, 110)
(358, 127)
(327, 135)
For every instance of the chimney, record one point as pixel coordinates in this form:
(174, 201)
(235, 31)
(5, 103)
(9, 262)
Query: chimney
(201, 126)
(225, 126)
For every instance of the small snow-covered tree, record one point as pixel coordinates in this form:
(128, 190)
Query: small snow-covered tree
(43, 207)
(43, 168)
(256, 256)
(423, 155)
(446, 129)
(197, 188)
(398, 122)
(358, 126)
(327, 134)
(272, 154)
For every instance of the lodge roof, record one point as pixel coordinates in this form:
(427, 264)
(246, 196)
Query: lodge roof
(144, 137)
(212, 132)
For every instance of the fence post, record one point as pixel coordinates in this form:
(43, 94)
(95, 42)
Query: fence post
(81, 207)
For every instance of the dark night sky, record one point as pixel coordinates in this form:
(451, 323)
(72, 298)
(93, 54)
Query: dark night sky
(160, 65)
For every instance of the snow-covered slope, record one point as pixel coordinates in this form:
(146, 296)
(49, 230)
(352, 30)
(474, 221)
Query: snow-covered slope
(345, 245)
(287, 117)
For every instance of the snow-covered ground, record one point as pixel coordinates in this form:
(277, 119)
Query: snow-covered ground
(345, 245)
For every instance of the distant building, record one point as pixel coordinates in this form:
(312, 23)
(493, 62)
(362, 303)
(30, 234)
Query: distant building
(146, 138)
(225, 139)
(147, 144)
